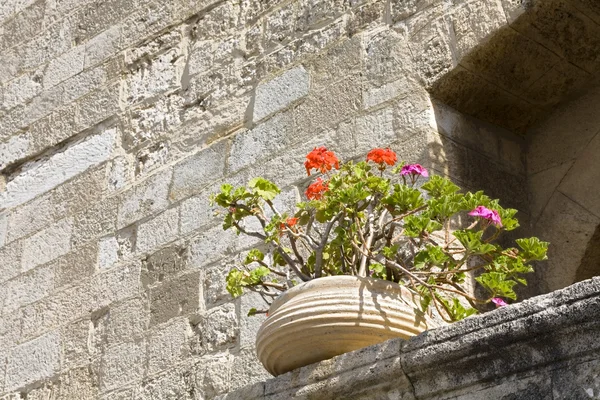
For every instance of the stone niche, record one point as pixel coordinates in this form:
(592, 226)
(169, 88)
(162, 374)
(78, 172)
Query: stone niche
(537, 77)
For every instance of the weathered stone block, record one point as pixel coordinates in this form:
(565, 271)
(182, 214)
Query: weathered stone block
(26, 288)
(145, 199)
(163, 265)
(127, 320)
(75, 266)
(196, 172)
(108, 252)
(197, 212)
(47, 245)
(220, 327)
(160, 230)
(179, 296)
(11, 260)
(102, 46)
(21, 90)
(79, 383)
(3, 228)
(41, 177)
(33, 360)
(98, 220)
(122, 363)
(167, 344)
(262, 142)
(64, 67)
(96, 107)
(280, 92)
(30, 217)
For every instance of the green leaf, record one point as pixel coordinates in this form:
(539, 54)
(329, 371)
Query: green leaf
(379, 270)
(403, 199)
(471, 240)
(533, 249)
(254, 255)
(438, 186)
(264, 188)
(498, 284)
(431, 256)
(252, 312)
(416, 225)
(234, 282)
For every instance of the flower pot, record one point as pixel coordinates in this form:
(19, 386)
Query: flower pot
(325, 317)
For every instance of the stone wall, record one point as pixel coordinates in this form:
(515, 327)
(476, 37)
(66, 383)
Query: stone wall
(563, 165)
(118, 118)
(543, 348)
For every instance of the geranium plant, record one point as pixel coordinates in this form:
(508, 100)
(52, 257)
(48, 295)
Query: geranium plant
(383, 220)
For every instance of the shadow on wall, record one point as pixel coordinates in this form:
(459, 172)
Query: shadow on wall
(590, 264)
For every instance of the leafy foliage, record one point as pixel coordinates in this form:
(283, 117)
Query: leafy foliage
(361, 219)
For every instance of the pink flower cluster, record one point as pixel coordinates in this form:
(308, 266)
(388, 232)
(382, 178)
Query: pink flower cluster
(486, 213)
(414, 169)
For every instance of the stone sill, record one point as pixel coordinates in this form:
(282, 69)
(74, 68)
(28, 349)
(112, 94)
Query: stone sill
(543, 348)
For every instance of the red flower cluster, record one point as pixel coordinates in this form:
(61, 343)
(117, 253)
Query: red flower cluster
(289, 223)
(381, 156)
(316, 189)
(322, 160)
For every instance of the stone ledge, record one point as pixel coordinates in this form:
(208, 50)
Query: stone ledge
(536, 346)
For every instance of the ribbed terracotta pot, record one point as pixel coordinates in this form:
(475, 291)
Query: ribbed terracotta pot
(326, 317)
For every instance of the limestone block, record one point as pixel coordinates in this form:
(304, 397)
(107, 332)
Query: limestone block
(12, 65)
(262, 142)
(144, 199)
(50, 130)
(64, 67)
(589, 7)
(568, 227)
(167, 344)
(280, 26)
(11, 260)
(12, 150)
(21, 90)
(334, 64)
(75, 266)
(120, 173)
(576, 380)
(474, 22)
(97, 106)
(102, 46)
(52, 42)
(30, 217)
(163, 74)
(215, 291)
(193, 174)
(128, 319)
(98, 220)
(78, 383)
(27, 288)
(108, 252)
(280, 92)
(9, 336)
(328, 107)
(246, 370)
(220, 327)
(160, 230)
(375, 130)
(33, 360)
(25, 24)
(96, 17)
(122, 363)
(581, 181)
(78, 350)
(214, 374)
(197, 212)
(387, 57)
(47, 245)
(150, 122)
(179, 296)
(201, 57)
(431, 48)
(205, 249)
(43, 176)
(163, 265)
